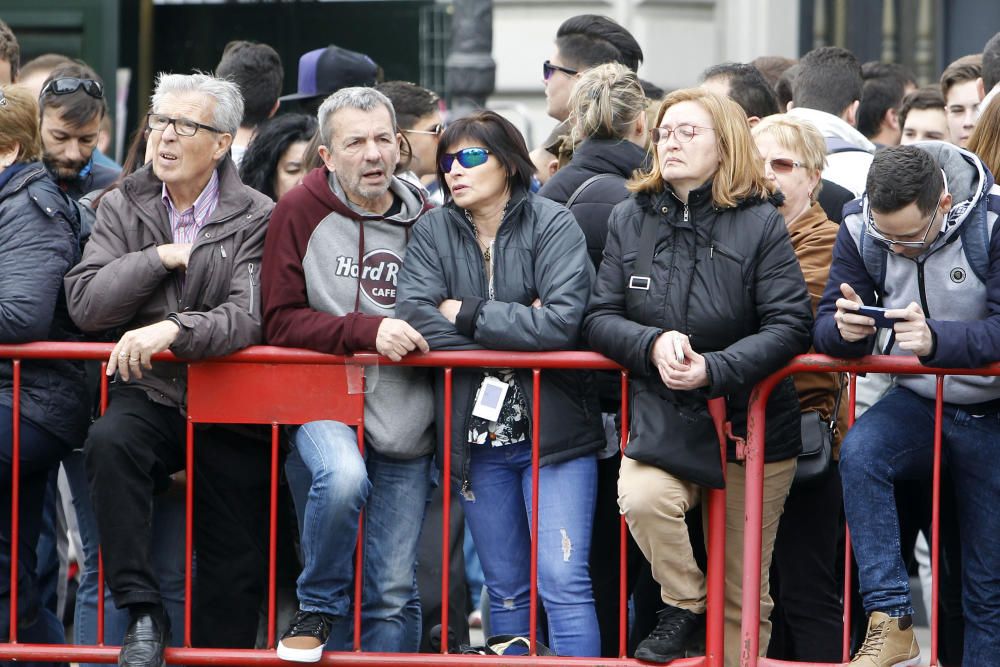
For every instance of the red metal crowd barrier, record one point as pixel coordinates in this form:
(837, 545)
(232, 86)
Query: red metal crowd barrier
(328, 387)
(756, 418)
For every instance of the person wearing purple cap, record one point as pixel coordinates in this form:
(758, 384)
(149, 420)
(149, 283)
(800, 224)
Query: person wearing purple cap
(325, 71)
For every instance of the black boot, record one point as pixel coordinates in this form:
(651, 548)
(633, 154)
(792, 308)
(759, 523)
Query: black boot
(676, 631)
(147, 637)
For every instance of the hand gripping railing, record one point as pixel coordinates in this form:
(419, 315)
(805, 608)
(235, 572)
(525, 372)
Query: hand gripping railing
(325, 387)
(756, 423)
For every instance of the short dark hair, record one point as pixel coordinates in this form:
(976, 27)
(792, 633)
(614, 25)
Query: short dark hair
(10, 50)
(966, 68)
(497, 135)
(76, 108)
(902, 175)
(991, 62)
(747, 87)
(772, 67)
(828, 79)
(411, 102)
(274, 136)
(783, 89)
(884, 84)
(651, 90)
(928, 97)
(589, 39)
(257, 70)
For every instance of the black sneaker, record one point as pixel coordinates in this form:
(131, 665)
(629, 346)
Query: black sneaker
(676, 631)
(305, 638)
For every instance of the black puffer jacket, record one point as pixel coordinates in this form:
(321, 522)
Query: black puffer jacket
(539, 253)
(591, 210)
(729, 279)
(39, 242)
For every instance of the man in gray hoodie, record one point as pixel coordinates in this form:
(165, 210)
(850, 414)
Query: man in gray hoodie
(332, 254)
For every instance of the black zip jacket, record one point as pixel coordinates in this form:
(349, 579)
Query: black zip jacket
(729, 279)
(539, 252)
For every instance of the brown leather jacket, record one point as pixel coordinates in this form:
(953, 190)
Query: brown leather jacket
(813, 236)
(120, 284)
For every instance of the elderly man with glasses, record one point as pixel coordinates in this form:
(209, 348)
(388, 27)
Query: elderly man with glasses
(920, 242)
(72, 107)
(174, 263)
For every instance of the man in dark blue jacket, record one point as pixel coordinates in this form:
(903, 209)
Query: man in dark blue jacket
(921, 243)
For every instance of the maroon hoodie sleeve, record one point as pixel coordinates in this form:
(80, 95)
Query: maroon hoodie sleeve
(289, 321)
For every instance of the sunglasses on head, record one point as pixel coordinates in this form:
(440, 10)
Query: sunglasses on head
(467, 157)
(68, 85)
(3, 100)
(782, 165)
(548, 69)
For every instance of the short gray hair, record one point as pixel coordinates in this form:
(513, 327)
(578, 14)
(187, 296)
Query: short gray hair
(356, 97)
(228, 99)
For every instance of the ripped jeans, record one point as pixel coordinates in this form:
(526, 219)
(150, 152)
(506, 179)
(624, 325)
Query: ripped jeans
(500, 523)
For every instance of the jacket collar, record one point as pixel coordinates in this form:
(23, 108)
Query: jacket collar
(609, 156)
(322, 185)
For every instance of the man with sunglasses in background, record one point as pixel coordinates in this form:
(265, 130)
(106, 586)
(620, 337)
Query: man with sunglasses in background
(332, 255)
(920, 242)
(174, 263)
(582, 42)
(72, 107)
(418, 114)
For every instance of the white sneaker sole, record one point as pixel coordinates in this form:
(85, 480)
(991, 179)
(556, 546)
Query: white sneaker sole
(302, 655)
(912, 662)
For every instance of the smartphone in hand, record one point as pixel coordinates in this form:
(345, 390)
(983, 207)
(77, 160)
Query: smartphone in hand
(878, 314)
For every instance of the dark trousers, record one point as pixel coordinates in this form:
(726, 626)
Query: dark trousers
(130, 453)
(806, 574)
(39, 455)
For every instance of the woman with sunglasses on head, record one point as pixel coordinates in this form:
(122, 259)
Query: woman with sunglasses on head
(39, 242)
(808, 616)
(700, 296)
(500, 268)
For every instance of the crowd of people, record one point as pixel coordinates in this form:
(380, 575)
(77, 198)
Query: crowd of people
(700, 237)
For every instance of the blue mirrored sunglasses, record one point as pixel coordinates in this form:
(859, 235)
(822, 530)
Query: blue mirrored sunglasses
(467, 157)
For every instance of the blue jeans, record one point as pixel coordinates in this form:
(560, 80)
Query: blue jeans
(168, 559)
(894, 440)
(39, 456)
(330, 484)
(499, 517)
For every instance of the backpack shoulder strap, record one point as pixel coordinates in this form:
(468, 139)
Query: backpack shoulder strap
(587, 183)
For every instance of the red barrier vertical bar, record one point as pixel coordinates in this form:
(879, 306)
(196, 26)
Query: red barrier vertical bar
(852, 400)
(359, 555)
(446, 521)
(936, 517)
(188, 531)
(272, 556)
(100, 555)
(753, 509)
(715, 631)
(15, 496)
(536, 415)
(623, 539)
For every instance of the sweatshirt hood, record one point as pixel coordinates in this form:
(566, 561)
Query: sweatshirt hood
(831, 126)
(322, 184)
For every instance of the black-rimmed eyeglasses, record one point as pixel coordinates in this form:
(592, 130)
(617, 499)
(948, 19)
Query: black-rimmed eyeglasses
(548, 69)
(887, 242)
(184, 127)
(68, 85)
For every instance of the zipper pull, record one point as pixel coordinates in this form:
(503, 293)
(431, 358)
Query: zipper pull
(222, 249)
(467, 492)
(687, 213)
(711, 251)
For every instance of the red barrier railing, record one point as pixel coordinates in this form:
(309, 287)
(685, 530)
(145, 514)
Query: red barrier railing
(328, 387)
(756, 423)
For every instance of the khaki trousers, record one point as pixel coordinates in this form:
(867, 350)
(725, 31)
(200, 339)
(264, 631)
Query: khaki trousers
(654, 503)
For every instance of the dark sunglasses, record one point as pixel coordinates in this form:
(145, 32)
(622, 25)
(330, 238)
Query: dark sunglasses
(467, 157)
(69, 85)
(548, 69)
(782, 165)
